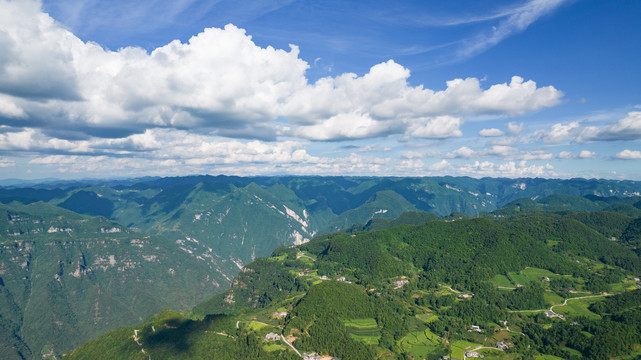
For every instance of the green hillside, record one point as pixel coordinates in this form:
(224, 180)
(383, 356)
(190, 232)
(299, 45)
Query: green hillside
(527, 286)
(213, 227)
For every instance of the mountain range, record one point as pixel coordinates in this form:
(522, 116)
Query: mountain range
(79, 258)
(537, 284)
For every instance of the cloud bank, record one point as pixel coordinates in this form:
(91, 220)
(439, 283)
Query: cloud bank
(219, 103)
(222, 83)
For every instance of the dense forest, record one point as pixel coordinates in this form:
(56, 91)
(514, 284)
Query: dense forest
(536, 283)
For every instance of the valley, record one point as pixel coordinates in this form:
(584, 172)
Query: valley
(412, 294)
(81, 258)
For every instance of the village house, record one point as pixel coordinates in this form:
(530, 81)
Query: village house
(311, 356)
(475, 328)
(465, 296)
(552, 314)
(400, 283)
(272, 337)
(473, 354)
(279, 314)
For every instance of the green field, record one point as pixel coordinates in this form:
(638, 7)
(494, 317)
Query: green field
(272, 347)
(361, 323)
(579, 307)
(419, 343)
(529, 275)
(502, 280)
(365, 330)
(552, 298)
(459, 347)
(572, 352)
(547, 357)
(624, 285)
(254, 325)
(427, 317)
(280, 258)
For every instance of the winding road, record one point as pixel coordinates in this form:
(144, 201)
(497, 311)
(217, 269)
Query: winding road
(564, 303)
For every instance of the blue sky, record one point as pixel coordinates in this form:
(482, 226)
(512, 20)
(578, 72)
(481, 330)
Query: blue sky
(520, 88)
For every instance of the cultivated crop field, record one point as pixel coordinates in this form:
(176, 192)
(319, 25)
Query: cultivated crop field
(420, 343)
(365, 330)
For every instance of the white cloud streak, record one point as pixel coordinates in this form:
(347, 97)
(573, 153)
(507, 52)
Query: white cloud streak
(516, 21)
(491, 132)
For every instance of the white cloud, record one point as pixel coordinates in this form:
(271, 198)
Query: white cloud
(500, 151)
(559, 133)
(439, 127)
(565, 155)
(535, 155)
(628, 155)
(410, 166)
(514, 128)
(628, 128)
(344, 126)
(412, 155)
(518, 20)
(587, 154)
(4, 162)
(442, 165)
(8, 108)
(37, 53)
(508, 169)
(517, 98)
(462, 152)
(491, 132)
(222, 82)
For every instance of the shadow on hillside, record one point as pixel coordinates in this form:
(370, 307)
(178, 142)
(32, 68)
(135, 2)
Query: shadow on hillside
(175, 337)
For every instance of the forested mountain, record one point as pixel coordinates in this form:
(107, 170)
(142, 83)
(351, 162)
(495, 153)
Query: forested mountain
(66, 277)
(542, 285)
(211, 227)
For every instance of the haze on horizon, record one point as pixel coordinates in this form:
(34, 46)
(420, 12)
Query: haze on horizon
(512, 88)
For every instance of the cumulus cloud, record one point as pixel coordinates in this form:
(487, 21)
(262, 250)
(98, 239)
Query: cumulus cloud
(220, 81)
(587, 154)
(439, 127)
(442, 165)
(9, 109)
(410, 166)
(559, 133)
(565, 155)
(491, 132)
(514, 128)
(628, 155)
(628, 128)
(37, 54)
(462, 152)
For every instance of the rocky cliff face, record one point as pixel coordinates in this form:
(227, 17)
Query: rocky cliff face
(65, 278)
